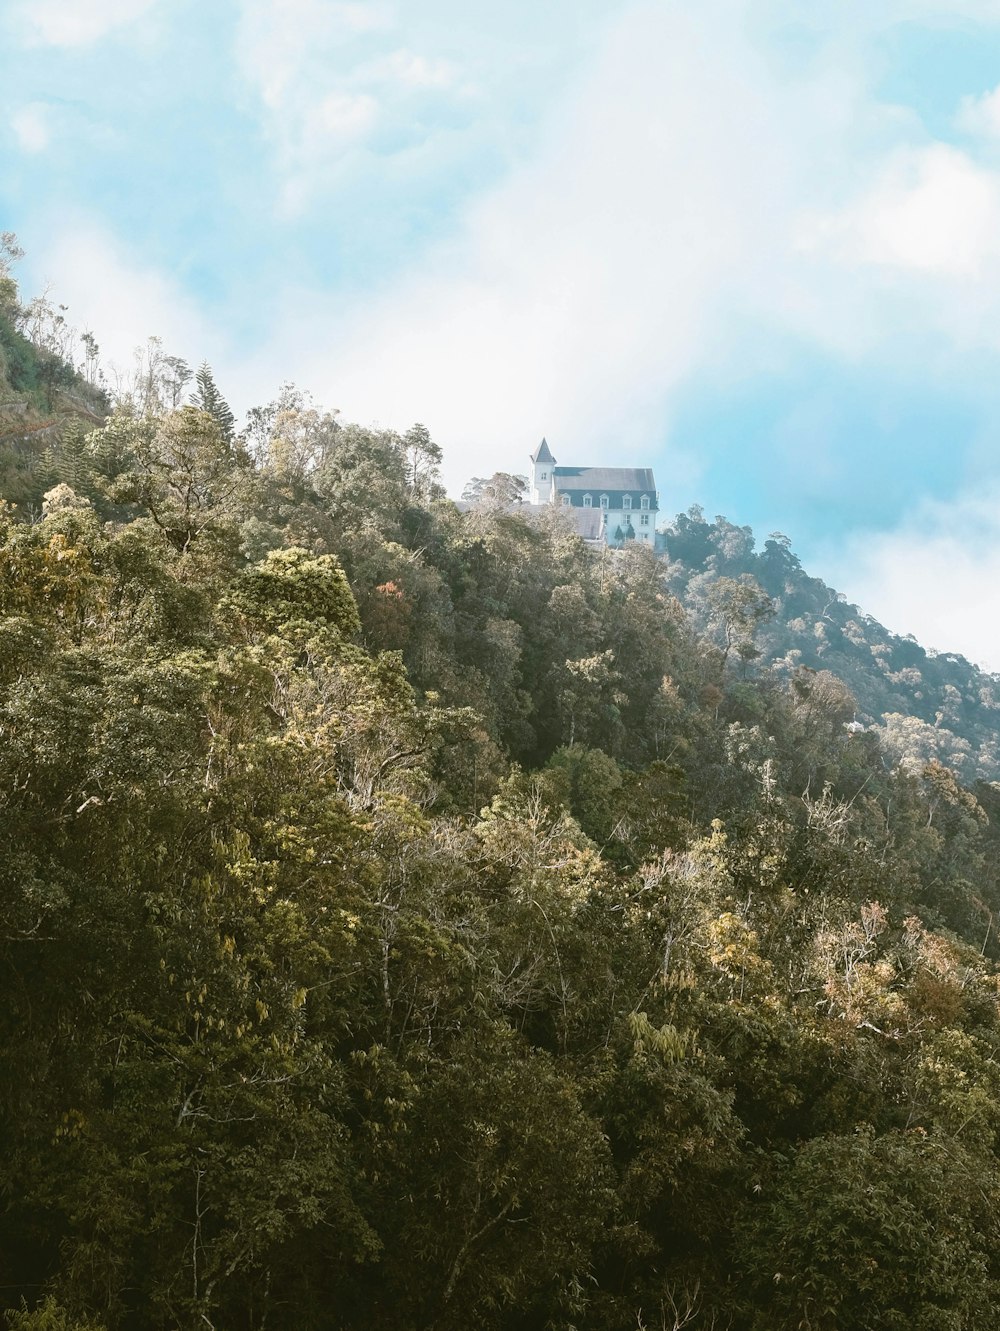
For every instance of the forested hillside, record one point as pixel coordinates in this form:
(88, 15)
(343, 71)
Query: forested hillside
(412, 919)
(51, 389)
(926, 705)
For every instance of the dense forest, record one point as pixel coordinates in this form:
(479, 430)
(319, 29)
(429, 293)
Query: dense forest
(410, 918)
(926, 705)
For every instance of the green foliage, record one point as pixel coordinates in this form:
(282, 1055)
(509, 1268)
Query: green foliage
(290, 586)
(924, 704)
(46, 399)
(193, 482)
(48, 1316)
(207, 398)
(409, 919)
(887, 1232)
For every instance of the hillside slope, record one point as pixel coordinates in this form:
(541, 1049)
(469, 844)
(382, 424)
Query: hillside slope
(45, 402)
(408, 921)
(925, 705)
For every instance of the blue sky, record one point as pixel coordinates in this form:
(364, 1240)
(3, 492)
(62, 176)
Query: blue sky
(752, 243)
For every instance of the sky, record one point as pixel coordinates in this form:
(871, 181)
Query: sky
(754, 244)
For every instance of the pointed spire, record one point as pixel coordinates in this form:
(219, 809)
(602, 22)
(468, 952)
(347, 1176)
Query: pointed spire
(543, 454)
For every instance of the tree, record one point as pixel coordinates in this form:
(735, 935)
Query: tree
(291, 588)
(155, 383)
(363, 482)
(738, 607)
(290, 437)
(186, 473)
(501, 1191)
(502, 489)
(176, 376)
(423, 459)
(587, 697)
(10, 254)
(874, 1233)
(208, 398)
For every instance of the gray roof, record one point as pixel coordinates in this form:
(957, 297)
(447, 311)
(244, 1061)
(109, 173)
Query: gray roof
(542, 453)
(638, 480)
(586, 522)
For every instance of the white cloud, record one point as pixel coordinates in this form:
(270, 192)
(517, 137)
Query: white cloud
(586, 287)
(326, 80)
(933, 209)
(980, 116)
(936, 576)
(689, 205)
(310, 114)
(339, 118)
(32, 128)
(284, 50)
(406, 69)
(272, 44)
(72, 22)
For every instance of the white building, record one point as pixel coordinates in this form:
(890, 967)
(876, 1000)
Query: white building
(612, 504)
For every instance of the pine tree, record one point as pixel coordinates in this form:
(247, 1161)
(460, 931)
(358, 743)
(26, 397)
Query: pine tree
(208, 398)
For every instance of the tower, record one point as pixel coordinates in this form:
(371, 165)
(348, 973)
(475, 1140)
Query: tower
(542, 464)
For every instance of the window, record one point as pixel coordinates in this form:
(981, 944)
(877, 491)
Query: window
(644, 520)
(627, 502)
(543, 475)
(565, 501)
(604, 501)
(644, 501)
(588, 501)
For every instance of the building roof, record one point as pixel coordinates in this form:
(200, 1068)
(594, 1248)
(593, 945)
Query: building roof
(542, 454)
(616, 501)
(634, 480)
(588, 523)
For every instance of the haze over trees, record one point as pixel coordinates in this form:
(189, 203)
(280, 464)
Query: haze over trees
(409, 919)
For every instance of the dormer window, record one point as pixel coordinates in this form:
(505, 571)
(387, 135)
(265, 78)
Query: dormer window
(588, 501)
(644, 502)
(626, 502)
(604, 501)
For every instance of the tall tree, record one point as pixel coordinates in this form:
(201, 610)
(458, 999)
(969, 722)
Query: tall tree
(208, 398)
(423, 458)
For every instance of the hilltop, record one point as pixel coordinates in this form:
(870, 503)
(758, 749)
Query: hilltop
(922, 705)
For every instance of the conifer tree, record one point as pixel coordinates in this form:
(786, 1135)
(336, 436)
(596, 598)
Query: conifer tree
(208, 398)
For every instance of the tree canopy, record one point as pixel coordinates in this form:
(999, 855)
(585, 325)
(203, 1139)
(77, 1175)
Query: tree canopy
(410, 919)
